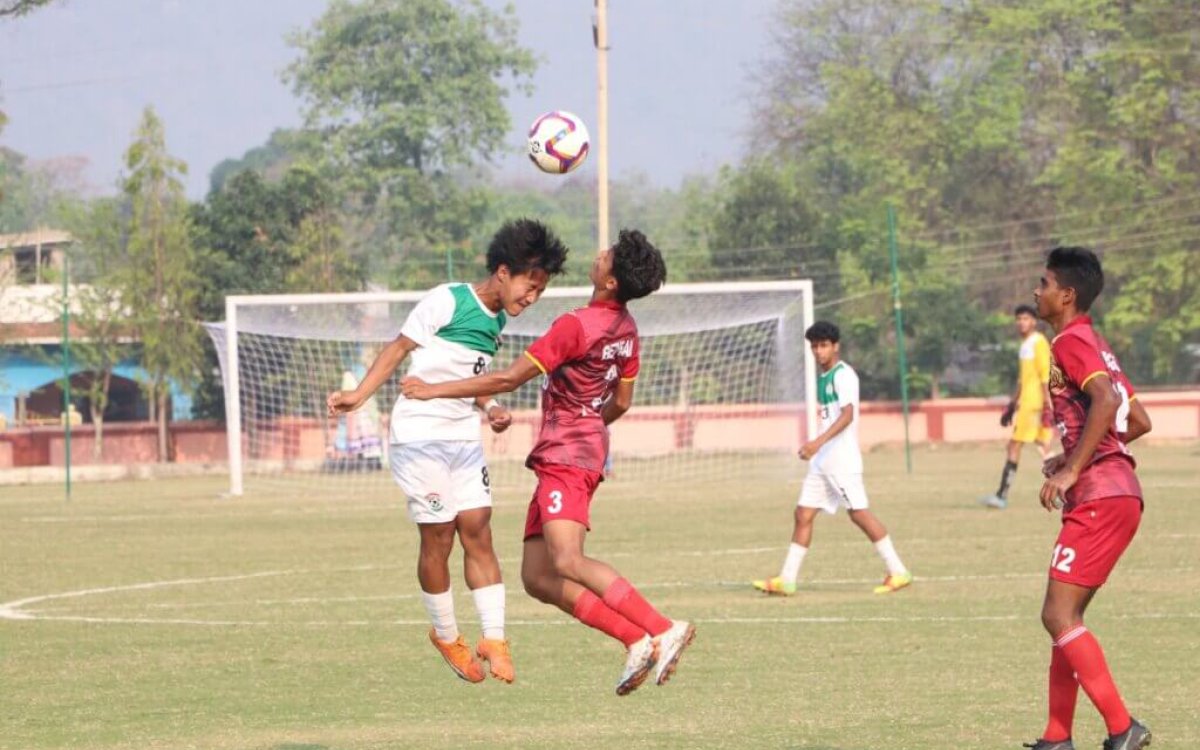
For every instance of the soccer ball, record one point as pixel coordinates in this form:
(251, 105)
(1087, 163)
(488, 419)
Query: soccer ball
(558, 142)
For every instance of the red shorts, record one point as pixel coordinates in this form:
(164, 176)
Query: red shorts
(1093, 536)
(563, 492)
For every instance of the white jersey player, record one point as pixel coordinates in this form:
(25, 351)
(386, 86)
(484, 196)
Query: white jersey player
(436, 449)
(835, 470)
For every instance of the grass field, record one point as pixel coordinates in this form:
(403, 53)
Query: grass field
(162, 616)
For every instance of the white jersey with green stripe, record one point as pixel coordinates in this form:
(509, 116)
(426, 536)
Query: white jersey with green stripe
(457, 336)
(837, 389)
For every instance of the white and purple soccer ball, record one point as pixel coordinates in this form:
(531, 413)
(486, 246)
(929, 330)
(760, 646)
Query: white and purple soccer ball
(558, 142)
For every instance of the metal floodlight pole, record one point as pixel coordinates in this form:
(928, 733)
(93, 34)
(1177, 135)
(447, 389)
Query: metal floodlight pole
(600, 37)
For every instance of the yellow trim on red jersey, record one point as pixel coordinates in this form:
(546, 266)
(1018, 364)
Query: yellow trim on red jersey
(628, 380)
(534, 360)
(1091, 377)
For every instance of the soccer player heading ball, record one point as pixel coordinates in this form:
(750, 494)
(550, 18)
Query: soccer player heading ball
(834, 470)
(590, 359)
(1094, 483)
(436, 453)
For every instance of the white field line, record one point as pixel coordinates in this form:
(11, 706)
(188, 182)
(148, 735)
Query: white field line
(800, 620)
(19, 609)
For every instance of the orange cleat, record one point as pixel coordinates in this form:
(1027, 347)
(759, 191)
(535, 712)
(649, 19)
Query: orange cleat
(458, 655)
(496, 654)
(894, 583)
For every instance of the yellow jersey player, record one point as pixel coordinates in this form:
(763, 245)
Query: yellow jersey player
(1029, 410)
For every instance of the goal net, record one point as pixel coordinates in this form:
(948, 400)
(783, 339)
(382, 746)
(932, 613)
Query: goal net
(727, 386)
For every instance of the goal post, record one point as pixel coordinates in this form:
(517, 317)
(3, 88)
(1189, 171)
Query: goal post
(727, 384)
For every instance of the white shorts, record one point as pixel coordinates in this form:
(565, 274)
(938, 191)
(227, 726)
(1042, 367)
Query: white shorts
(828, 491)
(441, 478)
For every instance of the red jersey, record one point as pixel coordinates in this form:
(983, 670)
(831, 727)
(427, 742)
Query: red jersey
(582, 356)
(1079, 354)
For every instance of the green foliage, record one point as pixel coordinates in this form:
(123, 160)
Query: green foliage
(408, 97)
(99, 255)
(160, 286)
(996, 129)
(18, 8)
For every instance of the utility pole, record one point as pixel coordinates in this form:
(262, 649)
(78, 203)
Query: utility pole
(600, 38)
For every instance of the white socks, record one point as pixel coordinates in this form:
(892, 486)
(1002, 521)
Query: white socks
(441, 613)
(792, 563)
(489, 602)
(890, 558)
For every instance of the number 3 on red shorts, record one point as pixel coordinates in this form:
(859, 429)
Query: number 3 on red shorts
(555, 502)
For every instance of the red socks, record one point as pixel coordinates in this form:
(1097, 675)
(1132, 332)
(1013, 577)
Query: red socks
(1063, 692)
(1084, 656)
(624, 598)
(596, 614)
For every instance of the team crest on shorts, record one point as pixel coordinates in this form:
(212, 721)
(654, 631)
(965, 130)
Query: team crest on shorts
(435, 501)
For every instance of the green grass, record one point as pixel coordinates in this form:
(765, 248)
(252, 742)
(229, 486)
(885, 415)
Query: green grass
(325, 647)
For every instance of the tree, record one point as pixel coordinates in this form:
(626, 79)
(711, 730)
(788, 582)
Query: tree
(18, 8)
(160, 285)
(99, 256)
(408, 98)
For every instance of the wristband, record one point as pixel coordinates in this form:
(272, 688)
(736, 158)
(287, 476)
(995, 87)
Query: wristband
(491, 403)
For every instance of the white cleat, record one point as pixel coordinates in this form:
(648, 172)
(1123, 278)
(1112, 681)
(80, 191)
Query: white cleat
(670, 647)
(641, 659)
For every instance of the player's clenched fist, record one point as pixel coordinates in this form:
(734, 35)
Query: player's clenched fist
(1054, 490)
(415, 388)
(499, 418)
(340, 402)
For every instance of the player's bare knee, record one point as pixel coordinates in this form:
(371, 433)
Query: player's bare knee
(536, 585)
(803, 519)
(568, 565)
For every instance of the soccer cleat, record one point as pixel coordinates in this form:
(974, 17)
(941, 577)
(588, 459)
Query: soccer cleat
(641, 659)
(1136, 737)
(496, 654)
(894, 583)
(993, 501)
(1050, 744)
(670, 647)
(775, 586)
(458, 655)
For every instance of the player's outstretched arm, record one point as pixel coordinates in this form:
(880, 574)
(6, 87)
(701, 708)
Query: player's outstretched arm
(619, 402)
(1102, 410)
(510, 378)
(1139, 422)
(381, 369)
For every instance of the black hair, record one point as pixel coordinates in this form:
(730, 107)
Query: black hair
(1025, 310)
(637, 266)
(1079, 269)
(523, 245)
(823, 330)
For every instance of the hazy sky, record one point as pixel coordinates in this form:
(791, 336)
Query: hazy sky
(75, 76)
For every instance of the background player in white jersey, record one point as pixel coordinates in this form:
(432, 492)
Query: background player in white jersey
(835, 470)
(436, 448)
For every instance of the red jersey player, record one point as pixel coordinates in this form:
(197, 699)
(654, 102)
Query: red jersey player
(590, 358)
(1094, 483)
